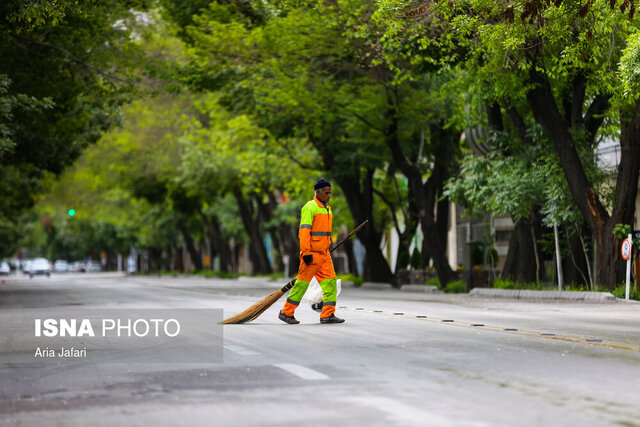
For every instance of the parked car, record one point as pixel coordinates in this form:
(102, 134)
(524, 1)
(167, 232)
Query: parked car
(39, 266)
(93, 267)
(60, 266)
(77, 267)
(4, 268)
(26, 266)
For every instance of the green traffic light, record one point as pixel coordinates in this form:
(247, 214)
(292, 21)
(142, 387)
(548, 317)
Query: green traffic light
(72, 212)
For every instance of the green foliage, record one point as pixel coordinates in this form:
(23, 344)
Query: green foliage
(123, 183)
(493, 257)
(621, 290)
(171, 273)
(630, 67)
(621, 231)
(506, 184)
(574, 287)
(175, 163)
(66, 69)
(553, 64)
(456, 287)
(509, 284)
(356, 280)
(322, 80)
(433, 281)
(284, 92)
(403, 260)
(209, 274)
(477, 255)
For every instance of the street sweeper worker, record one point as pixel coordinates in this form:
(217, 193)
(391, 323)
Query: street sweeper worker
(315, 260)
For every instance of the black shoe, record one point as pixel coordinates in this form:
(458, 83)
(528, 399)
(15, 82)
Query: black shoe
(287, 319)
(317, 307)
(331, 319)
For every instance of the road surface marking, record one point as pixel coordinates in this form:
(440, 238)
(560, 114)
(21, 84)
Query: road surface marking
(401, 413)
(302, 372)
(241, 350)
(575, 339)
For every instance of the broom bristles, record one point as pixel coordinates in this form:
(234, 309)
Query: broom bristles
(258, 308)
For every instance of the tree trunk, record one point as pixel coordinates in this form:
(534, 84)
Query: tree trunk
(222, 248)
(179, 263)
(194, 253)
(284, 236)
(575, 268)
(351, 257)
(520, 265)
(441, 228)
(425, 195)
(290, 246)
(434, 228)
(358, 192)
(376, 267)
(156, 259)
(411, 220)
(257, 250)
(405, 238)
(265, 216)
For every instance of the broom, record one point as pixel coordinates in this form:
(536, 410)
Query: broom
(258, 308)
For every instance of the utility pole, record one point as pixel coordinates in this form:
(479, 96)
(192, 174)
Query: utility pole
(558, 257)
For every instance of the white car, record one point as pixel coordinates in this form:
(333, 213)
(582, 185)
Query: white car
(77, 267)
(60, 266)
(4, 268)
(93, 267)
(39, 266)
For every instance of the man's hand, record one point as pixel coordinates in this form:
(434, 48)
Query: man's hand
(308, 259)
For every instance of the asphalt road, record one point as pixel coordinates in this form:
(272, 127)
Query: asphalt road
(401, 358)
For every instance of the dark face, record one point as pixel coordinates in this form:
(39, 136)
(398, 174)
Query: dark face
(324, 194)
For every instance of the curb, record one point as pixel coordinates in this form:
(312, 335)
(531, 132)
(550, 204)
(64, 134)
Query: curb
(542, 295)
(404, 288)
(420, 288)
(378, 286)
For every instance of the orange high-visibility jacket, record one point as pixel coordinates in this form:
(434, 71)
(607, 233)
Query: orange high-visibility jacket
(315, 227)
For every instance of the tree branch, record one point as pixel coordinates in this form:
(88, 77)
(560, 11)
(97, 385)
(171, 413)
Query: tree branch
(391, 208)
(577, 99)
(595, 114)
(78, 60)
(368, 123)
(546, 112)
(293, 158)
(518, 123)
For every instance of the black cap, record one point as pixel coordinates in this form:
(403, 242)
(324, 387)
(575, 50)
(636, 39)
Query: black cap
(321, 184)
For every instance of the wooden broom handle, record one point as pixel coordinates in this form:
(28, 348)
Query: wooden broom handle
(350, 234)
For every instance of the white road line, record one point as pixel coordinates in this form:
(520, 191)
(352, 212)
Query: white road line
(302, 372)
(400, 413)
(241, 350)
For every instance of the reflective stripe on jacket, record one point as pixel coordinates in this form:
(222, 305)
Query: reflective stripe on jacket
(315, 227)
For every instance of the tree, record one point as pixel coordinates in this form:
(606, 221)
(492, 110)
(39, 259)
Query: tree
(317, 72)
(231, 155)
(65, 70)
(294, 100)
(564, 62)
